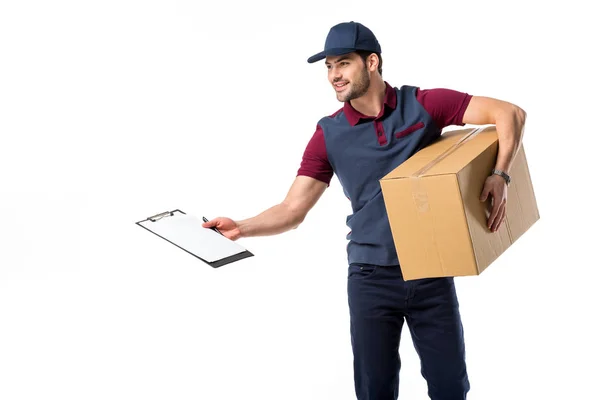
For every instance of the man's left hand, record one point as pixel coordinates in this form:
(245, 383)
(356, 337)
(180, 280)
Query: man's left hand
(495, 186)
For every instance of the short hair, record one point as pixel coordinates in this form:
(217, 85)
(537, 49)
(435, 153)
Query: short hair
(364, 54)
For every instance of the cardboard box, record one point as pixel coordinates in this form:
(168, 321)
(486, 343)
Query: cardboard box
(438, 223)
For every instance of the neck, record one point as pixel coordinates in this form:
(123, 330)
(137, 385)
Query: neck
(371, 103)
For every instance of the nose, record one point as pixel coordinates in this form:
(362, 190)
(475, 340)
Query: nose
(335, 73)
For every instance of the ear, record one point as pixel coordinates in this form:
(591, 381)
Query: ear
(372, 63)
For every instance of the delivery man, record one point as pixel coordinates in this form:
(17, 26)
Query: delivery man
(379, 127)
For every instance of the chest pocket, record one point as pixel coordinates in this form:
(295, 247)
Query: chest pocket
(409, 130)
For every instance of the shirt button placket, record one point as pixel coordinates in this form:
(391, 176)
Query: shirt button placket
(379, 130)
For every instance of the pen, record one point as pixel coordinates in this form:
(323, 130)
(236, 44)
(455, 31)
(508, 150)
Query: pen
(213, 228)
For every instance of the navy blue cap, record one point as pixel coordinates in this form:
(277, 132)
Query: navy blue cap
(345, 38)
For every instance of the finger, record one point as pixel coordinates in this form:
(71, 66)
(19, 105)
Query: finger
(497, 217)
(484, 194)
(494, 212)
(210, 223)
(500, 218)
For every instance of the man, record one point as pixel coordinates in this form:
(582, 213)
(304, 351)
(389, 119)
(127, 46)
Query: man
(378, 128)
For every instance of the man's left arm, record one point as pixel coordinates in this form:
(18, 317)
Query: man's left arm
(510, 123)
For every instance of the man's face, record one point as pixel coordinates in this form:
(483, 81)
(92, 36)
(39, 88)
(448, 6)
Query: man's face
(348, 75)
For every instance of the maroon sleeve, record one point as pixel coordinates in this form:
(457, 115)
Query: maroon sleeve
(314, 161)
(446, 106)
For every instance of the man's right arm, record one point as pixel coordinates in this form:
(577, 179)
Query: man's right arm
(312, 179)
(302, 196)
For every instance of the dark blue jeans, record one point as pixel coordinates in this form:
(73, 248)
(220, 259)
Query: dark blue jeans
(380, 301)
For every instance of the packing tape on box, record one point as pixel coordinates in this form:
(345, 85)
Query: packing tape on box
(419, 194)
(450, 150)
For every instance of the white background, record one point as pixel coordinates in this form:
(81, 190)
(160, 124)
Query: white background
(116, 110)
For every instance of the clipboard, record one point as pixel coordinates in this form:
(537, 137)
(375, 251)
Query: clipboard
(186, 232)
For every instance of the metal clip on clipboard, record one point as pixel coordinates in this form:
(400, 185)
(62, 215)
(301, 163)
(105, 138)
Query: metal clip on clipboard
(156, 217)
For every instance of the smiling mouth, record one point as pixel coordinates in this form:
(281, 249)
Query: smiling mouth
(340, 86)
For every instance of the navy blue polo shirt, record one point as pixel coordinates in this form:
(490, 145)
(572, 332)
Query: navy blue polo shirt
(360, 150)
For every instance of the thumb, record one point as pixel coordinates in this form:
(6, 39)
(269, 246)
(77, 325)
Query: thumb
(210, 224)
(484, 194)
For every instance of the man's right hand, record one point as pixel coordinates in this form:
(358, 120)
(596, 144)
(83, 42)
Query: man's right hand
(226, 226)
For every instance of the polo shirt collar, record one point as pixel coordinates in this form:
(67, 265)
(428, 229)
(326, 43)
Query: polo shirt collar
(354, 116)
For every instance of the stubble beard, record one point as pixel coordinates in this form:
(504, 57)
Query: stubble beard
(358, 88)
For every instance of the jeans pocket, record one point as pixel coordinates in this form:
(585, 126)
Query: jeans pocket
(361, 271)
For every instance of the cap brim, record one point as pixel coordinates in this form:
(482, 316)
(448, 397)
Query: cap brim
(330, 52)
